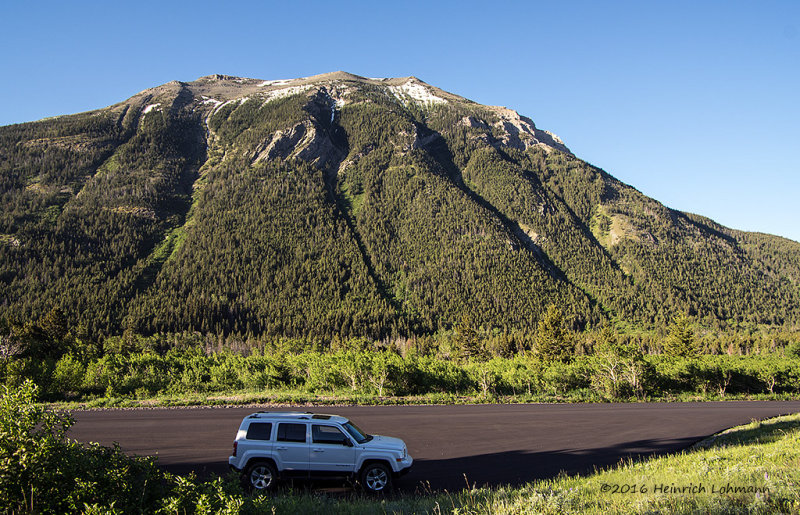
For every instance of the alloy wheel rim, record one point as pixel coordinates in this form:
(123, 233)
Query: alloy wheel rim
(376, 479)
(261, 477)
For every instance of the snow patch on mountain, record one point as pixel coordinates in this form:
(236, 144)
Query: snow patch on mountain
(269, 96)
(209, 100)
(149, 108)
(278, 82)
(416, 92)
(240, 100)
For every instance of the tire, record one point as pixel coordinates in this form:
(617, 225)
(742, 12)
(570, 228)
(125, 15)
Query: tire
(261, 476)
(376, 478)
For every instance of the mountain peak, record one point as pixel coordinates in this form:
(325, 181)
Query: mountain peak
(218, 76)
(515, 130)
(337, 75)
(345, 205)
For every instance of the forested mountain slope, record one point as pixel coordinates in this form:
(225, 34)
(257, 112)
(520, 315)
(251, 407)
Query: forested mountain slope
(343, 205)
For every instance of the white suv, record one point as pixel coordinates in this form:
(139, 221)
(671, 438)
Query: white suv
(273, 445)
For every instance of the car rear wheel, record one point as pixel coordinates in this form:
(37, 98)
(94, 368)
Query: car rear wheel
(261, 476)
(376, 478)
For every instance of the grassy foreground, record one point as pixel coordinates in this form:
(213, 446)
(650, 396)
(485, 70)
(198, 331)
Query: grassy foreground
(748, 469)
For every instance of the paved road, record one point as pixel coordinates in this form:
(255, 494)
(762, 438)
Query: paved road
(489, 444)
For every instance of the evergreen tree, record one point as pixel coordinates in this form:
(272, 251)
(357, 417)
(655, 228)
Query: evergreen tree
(467, 342)
(552, 341)
(54, 324)
(681, 341)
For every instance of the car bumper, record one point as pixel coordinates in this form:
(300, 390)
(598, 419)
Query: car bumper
(404, 467)
(231, 462)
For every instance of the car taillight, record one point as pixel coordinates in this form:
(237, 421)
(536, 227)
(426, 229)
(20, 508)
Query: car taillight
(235, 445)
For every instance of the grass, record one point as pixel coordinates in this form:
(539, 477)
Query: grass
(289, 397)
(753, 468)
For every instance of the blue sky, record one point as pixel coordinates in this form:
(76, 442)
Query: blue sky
(694, 103)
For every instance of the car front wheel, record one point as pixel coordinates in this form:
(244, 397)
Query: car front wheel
(376, 478)
(261, 476)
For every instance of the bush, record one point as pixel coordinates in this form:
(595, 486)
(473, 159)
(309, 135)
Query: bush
(619, 369)
(616, 370)
(68, 375)
(560, 378)
(42, 471)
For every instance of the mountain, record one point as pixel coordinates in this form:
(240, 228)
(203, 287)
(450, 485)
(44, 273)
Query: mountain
(343, 205)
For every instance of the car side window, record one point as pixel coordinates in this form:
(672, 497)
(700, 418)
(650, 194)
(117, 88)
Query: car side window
(291, 432)
(259, 431)
(327, 434)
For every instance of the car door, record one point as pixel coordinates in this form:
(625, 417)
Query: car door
(291, 447)
(332, 451)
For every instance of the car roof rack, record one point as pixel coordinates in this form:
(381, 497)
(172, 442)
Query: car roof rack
(302, 415)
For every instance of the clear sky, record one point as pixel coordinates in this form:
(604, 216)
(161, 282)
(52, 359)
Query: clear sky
(696, 104)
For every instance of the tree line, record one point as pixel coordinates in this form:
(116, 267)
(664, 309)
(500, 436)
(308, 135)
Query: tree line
(551, 362)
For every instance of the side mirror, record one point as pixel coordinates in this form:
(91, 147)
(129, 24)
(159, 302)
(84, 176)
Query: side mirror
(347, 443)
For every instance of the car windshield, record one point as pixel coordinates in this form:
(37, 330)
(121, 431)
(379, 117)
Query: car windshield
(357, 434)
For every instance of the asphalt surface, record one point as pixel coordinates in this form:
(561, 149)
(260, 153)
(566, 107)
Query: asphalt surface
(451, 445)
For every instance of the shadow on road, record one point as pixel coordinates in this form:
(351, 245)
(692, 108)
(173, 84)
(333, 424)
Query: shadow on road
(503, 468)
(520, 467)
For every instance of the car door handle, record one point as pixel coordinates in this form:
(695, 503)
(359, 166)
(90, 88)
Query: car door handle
(318, 450)
(280, 448)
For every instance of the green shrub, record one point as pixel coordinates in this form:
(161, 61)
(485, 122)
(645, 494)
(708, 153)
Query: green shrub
(620, 369)
(68, 375)
(42, 471)
(560, 378)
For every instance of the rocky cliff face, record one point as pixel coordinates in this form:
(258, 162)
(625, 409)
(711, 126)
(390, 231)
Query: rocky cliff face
(331, 91)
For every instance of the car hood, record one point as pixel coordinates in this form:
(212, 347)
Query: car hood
(385, 442)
